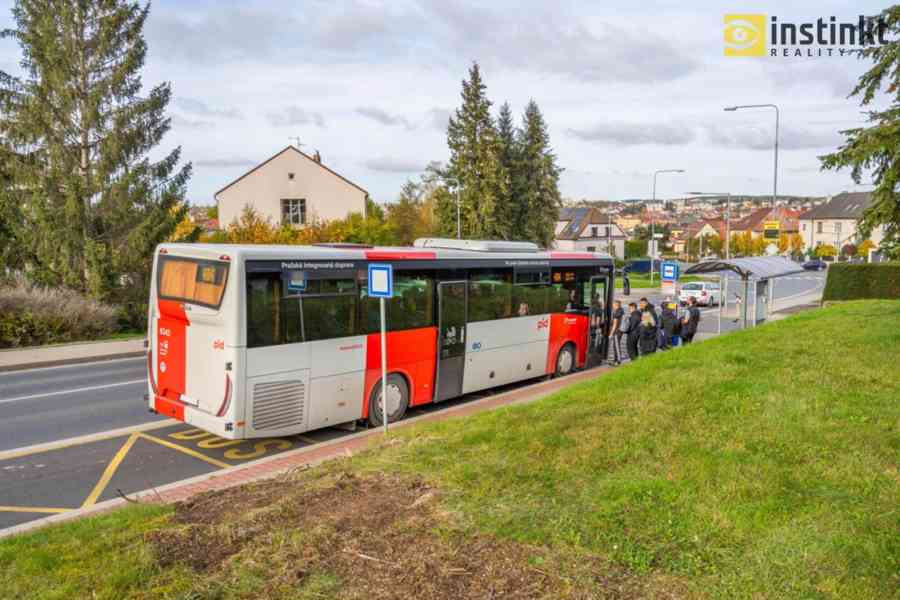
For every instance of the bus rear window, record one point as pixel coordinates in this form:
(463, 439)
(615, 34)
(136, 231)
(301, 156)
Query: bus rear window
(191, 280)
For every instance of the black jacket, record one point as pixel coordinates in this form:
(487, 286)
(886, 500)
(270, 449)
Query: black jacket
(634, 323)
(693, 319)
(669, 322)
(648, 340)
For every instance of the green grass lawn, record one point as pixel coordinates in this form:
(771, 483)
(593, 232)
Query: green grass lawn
(642, 280)
(761, 464)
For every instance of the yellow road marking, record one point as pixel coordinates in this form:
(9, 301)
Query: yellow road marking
(188, 451)
(33, 509)
(82, 440)
(110, 470)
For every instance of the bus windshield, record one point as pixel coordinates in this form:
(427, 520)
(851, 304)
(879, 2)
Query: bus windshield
(192, 280)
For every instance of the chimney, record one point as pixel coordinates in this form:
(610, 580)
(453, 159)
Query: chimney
(317, 157)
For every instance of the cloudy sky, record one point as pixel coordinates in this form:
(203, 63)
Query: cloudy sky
(625, 90)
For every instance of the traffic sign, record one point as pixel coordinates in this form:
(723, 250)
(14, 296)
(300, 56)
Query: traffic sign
(381, 286)
(669, 271)
(381, 281)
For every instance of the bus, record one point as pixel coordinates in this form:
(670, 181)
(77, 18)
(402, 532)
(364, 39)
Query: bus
(250, 341)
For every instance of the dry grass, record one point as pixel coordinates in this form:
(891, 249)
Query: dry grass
(31, 315)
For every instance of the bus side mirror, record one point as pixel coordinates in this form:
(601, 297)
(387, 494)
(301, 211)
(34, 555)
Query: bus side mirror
(626, 286)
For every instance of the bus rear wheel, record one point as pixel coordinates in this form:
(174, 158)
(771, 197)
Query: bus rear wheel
(397, 400)
(565, 360)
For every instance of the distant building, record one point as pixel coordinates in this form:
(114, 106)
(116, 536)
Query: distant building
(754, 223)
(291, 188)
(836, 222)
(588, 229)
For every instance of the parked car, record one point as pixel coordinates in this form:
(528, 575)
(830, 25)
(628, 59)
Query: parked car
(707, 293)
(816, 264)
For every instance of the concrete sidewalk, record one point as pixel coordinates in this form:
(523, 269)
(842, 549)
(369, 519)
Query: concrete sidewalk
(59, 354)
(308, 456)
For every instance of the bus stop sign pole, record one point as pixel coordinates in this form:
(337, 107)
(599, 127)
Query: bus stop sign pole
(381, 286)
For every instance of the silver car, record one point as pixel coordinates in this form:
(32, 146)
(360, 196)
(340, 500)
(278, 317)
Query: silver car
(707, 293)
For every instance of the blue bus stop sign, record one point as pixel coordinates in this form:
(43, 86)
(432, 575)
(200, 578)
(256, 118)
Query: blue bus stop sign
(381, 280)
(669, 271)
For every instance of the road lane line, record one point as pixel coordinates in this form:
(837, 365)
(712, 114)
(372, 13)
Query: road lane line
(34, 509)
(74, 391)
(110, 470)
(141, 359)
(188, 451)
(83, 439)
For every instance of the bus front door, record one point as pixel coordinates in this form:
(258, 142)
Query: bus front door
(597, 342)
(451, 350)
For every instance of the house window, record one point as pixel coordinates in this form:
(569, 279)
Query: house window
(606, 231)
(293, 211)
(819, 227)
(592, 248)
(837, 228)
(594, 231)
(290, 176)
(803, 227)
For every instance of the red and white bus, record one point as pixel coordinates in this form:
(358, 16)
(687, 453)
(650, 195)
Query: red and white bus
(256, 341)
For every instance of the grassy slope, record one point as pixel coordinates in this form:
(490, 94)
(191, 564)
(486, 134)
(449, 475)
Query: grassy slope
(761, 464)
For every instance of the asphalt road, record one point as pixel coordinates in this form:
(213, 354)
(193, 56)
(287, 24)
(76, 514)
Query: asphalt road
(48, 404)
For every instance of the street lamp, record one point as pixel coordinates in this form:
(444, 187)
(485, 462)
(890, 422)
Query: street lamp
(727, 217)
(652, 220)
(777, 113)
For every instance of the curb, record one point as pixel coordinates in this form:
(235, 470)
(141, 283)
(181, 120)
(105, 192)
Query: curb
(78, 352)
(308, 456)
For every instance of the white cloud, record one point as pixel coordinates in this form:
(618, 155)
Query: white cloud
(294, 115)
(391, 164)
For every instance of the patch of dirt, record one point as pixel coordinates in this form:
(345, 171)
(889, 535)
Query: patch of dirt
(384, 537)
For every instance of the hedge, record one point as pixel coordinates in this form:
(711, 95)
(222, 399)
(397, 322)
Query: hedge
(33, 316)
(862, 281)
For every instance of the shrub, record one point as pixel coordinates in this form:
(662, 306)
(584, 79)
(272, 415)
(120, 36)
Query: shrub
(32, 315)
(860, 281)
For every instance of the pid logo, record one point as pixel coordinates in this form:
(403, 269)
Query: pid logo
(543, 324)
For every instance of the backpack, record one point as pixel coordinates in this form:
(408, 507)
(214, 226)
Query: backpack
(625, 323)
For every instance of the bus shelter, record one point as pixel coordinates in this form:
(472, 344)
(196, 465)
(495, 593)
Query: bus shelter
(758, 276)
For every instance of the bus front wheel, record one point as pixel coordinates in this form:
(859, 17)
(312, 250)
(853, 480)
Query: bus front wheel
(565, 360)
(397, 400)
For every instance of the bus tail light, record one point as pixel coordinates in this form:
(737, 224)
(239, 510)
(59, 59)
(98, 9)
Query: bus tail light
(150, 372)
(226, 401)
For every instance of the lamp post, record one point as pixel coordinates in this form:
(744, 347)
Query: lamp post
(777, 118)
(652, 220)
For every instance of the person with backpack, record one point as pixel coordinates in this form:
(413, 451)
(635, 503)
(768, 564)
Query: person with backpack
(616, 331)
(669, 323)
(647, 338)
(690, 322)
(631, 325)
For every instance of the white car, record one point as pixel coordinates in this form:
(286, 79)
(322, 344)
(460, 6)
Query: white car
(706, 293)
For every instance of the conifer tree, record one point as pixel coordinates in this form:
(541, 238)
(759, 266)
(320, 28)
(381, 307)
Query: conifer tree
(474, 167)
(510, 208)
(872, 151)
(536, 182)
(77, 134)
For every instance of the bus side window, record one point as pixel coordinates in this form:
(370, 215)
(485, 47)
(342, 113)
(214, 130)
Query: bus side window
(329, 309)
(410, 308)
(490, 295)
(271, 318)
(530, 295)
